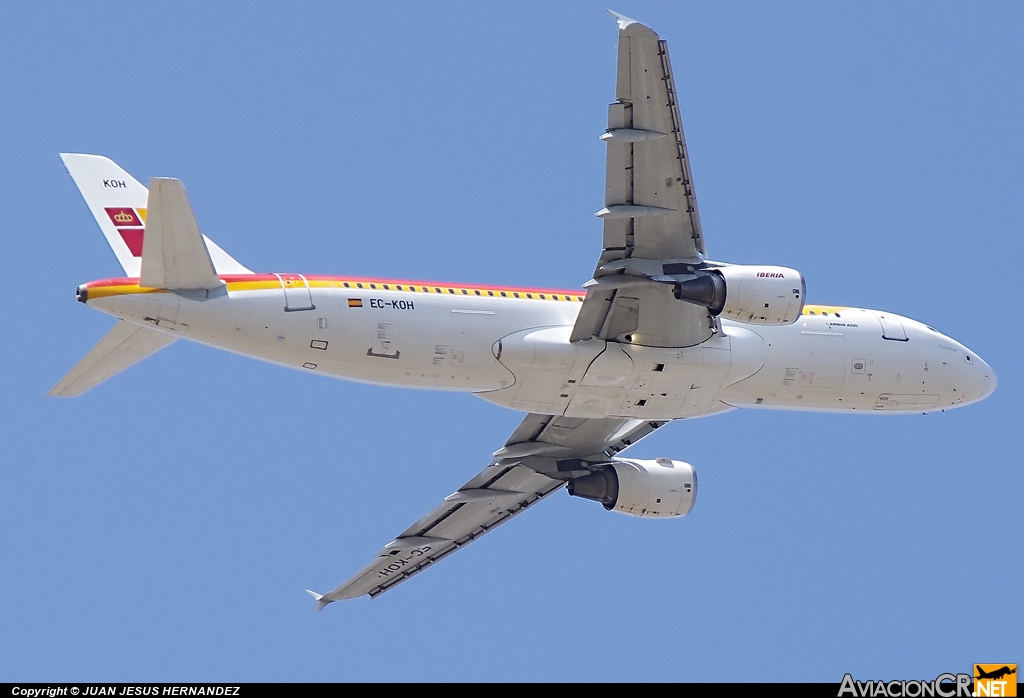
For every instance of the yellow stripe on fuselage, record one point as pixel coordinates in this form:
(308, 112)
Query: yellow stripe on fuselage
(103, 289)
(264, 284)
(824, 309)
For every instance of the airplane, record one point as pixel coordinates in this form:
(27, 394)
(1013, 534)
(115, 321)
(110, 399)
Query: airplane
(995, 674)
(660, 333)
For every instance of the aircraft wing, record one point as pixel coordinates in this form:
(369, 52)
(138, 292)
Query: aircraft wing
(651, 222)
(539, 457)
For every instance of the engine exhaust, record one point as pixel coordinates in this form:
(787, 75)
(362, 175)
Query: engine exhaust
(707, 290)
(602, 486)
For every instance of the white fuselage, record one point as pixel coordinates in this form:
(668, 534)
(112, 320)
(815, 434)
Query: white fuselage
(515, 351)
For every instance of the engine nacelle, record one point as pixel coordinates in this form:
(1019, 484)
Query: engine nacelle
(659, 488)
(758, 295)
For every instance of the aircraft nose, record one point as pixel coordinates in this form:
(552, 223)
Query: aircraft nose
(990, 381)
(983, 377)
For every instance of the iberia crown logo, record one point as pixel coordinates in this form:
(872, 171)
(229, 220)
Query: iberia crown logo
(123, 217)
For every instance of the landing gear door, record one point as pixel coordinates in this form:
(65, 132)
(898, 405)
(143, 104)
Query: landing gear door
(296, 292)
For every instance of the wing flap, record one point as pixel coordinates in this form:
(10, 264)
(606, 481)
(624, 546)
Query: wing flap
(122, 347)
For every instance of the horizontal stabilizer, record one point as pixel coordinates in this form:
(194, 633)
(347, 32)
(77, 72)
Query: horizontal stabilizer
(174, 255)
(125, 345)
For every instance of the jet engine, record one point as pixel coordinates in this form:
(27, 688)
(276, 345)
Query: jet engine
(659, 488)
(757, 295)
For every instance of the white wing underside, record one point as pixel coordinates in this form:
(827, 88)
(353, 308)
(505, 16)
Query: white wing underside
(651, 221)
(538, 459)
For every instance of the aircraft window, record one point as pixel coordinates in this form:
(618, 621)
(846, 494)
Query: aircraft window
(812, 312)
(490, 293)
(529, 295)
(516, 295)
(373, 286)
(823, 312)
(641, 403)
(504, 295)
(346, 284)
(837, 315)
(437, 290)
(359, 285)
(659, 367)
(542, 296)
(386, 288)
(967, 357)
(464, 292)
(476, 292)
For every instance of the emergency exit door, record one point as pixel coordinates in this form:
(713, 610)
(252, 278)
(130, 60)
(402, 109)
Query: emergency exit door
(296, 292)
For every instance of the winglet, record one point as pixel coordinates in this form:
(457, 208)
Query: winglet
(622, 20)
(319, 598)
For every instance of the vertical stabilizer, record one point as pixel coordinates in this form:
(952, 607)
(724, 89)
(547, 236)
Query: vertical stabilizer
(118, 202)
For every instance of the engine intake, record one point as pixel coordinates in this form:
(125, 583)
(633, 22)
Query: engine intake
(757, 295)
(661, 488)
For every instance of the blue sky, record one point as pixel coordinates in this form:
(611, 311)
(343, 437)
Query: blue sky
(164, 525)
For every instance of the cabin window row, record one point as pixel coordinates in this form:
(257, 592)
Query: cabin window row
(462, 291)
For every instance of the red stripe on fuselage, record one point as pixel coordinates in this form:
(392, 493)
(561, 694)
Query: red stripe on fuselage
(241, 278)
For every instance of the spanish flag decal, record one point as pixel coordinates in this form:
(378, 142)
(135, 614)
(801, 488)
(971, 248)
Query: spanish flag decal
(355, 302)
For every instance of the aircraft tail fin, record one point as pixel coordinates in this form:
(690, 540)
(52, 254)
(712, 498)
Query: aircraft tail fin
(119, 204)
(125, 345)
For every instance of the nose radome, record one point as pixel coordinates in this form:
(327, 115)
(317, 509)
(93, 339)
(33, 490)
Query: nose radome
(981, 376)
(989, 379)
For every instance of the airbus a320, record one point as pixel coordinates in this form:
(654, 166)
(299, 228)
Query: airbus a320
(659, 333)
